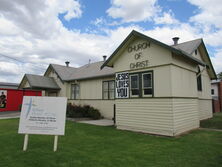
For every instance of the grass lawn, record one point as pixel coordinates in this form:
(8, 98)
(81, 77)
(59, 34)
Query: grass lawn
(94, 146)
(214, 123)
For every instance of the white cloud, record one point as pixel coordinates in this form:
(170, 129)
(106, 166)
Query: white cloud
(142, 10)
(31, 31)
(99, 21)
(214, 38)
(133, 10)
(166, 18)
(208, 20)
(165, 34)
(217, 61)
(8, 68)
(209, 13)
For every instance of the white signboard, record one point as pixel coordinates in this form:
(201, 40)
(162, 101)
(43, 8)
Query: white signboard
(122, 85)
(43, 115)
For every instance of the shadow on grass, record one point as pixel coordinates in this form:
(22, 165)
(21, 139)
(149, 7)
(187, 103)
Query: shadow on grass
(213, 123)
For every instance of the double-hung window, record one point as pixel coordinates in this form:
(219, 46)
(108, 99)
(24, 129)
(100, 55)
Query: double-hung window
(74, 91)
(199, 80)
(134, 86)
(141, 84)
(147, 84)
(108, 89)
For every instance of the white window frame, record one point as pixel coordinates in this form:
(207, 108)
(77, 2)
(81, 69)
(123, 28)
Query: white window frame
(147, 87)
(74, 95)
(108, 90)
(134, 88)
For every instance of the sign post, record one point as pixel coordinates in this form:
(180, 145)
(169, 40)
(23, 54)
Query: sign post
(42, 115)
(25, 142)
(55, 143)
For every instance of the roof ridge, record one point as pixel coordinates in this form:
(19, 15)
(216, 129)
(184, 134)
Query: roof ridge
(34, 74)
(37, 75)
(89, 64)
(62, 65)
(188, 41)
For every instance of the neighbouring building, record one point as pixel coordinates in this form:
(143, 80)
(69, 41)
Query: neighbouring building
(216, 92)
(8, 85)
(148, 86)
(11, 98)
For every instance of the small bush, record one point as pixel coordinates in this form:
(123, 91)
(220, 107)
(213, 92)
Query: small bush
(78, 111)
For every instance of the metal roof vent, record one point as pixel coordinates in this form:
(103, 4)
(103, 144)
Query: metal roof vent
(67, 63)
(175, 40)
(104, 58)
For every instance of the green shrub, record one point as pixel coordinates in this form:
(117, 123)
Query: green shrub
(78, 111)
(94, 113)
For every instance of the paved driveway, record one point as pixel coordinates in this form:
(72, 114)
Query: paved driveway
(9, 114)
(100, 122)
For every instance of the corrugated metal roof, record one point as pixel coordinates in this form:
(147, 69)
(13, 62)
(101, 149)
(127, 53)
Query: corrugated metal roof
(9, 85)
(189, 47)
(64, 72)
(91, 71)
(37, 81)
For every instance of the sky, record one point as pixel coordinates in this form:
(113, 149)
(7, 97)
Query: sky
(34, 34)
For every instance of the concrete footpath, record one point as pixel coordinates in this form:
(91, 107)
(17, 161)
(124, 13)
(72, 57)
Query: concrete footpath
(9, 114)
(100, 122)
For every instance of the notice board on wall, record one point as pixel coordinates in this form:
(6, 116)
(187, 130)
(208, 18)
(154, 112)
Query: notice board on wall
(122, 85)
(3, 98)
(43, 115)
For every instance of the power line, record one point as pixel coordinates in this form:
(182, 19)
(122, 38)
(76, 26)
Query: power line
(12, 58)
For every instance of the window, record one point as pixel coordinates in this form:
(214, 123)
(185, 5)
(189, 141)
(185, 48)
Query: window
(141, 84)
(199, 80)
(74, 91)
(147, 84)
(196, 52)
(108, 89)
(212, 91)
(134, 86)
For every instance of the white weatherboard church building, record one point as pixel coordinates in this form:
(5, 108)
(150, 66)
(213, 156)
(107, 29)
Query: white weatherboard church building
(150, 86)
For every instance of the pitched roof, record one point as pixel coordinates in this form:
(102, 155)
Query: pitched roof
(63, 72)
(189, 47)
(216, 81)
(134, 34)
(91, 71)
(9, 85)
(37, 81)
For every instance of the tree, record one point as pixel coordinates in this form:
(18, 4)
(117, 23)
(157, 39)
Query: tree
(219, 75)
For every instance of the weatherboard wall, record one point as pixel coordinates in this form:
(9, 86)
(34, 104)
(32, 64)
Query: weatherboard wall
(204, 96)
(183, 82)
(91, 94)
(155, 54)
(63, 85)
(185, 114)
(150, 115)
(174, 107)
(105, 107)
